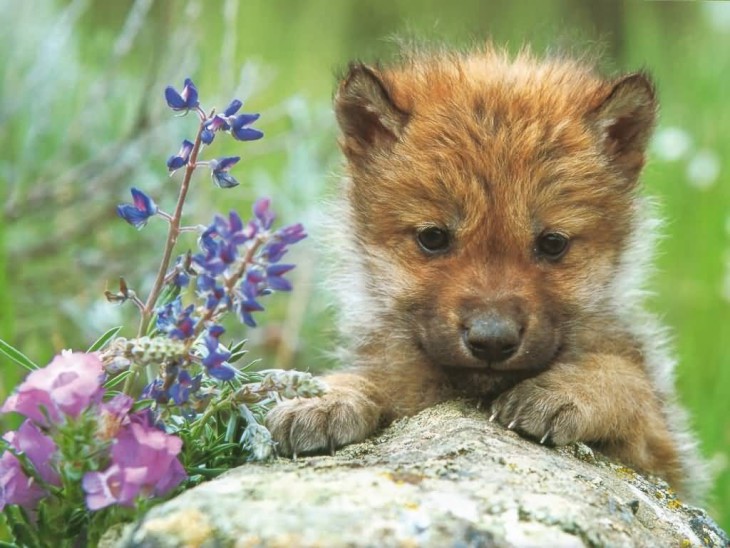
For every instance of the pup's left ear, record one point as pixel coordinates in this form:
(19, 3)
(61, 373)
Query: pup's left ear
(625, 119)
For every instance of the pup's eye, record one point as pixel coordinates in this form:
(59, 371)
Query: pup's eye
(433, 239)
(552, 245)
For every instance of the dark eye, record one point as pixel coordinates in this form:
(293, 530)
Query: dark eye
(433, 239)
(552, 245)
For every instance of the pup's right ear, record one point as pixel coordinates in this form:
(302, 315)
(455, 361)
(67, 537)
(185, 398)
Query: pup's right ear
(369, 119)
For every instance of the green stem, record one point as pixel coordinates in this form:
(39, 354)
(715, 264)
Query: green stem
(172, 234)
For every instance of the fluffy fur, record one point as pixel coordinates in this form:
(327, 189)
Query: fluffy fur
(494, 244)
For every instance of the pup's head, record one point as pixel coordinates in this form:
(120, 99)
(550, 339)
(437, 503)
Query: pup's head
(492, 199)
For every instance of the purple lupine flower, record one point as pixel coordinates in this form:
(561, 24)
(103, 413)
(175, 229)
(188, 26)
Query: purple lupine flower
(213, 292)
(226, 243)
(207, 136)
(180, 385)
(220, 242)
(291, 234)
(181, 272)
(277, 246)
(137, 213)
(232, 229)
(215, 361)
(15, 486)
(219, 122)
(275, 279)
(262, 212)
(233, 107)
(220, 171)
(40, 450)
(246, 302)
(185, 100)
(241, 131)
(220, 253)
(66, 386)
(180, 391)
(180, 159)
(156, 391)
(175, 321)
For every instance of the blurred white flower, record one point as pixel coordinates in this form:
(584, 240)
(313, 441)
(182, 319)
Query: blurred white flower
(93, 318)
(671, 143)
(703, 169)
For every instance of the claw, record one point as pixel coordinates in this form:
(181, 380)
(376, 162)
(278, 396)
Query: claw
(494, 416)
(545, 437)
(479, 404)
(294, 455)
(332, 448)
(511, 425)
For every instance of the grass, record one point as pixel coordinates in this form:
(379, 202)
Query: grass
(84, 120)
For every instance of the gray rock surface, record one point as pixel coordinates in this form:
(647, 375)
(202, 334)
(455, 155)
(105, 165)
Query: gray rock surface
(446, 477)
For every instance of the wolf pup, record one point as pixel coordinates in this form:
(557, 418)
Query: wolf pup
(495, 246)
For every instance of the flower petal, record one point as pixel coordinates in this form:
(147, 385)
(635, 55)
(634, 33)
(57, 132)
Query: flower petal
(247, 134)
(223, 372)
(225, 163)
(174, 99)
(262, 211)
(207, 136)
(223, 179)
(143, 202)
(132, 215)
(233, 108)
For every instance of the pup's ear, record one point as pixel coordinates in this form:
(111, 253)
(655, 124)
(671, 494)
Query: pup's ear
(369, 119)
(625, 119)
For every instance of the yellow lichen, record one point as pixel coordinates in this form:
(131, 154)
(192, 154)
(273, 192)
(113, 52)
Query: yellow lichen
(191, 526)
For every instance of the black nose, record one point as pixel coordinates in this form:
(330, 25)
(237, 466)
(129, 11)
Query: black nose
(493, 337)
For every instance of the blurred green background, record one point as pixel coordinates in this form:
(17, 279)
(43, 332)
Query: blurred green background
(82, 119)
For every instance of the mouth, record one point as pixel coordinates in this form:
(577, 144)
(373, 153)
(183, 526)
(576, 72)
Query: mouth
(525, 362)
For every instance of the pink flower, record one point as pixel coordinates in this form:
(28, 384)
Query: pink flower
(112, 486)
(15, 486)
(139, 446)
(144, 462)
(66, 386)
(39, 448)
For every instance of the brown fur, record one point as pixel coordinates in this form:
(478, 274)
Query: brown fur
(497, 152)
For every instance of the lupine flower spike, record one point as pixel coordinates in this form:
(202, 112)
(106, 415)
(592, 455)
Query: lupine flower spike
(115, 449)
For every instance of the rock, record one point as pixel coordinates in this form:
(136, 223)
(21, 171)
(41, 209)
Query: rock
(446, 477)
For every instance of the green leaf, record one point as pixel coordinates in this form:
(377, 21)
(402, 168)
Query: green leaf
(17, 356)
(237, 351)
(18, 524)
(115, 381)
(102, 341)
(210, 472)
(142, 404)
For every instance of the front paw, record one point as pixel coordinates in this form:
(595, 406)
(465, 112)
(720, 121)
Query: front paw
(323, 424)
(541, 411)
